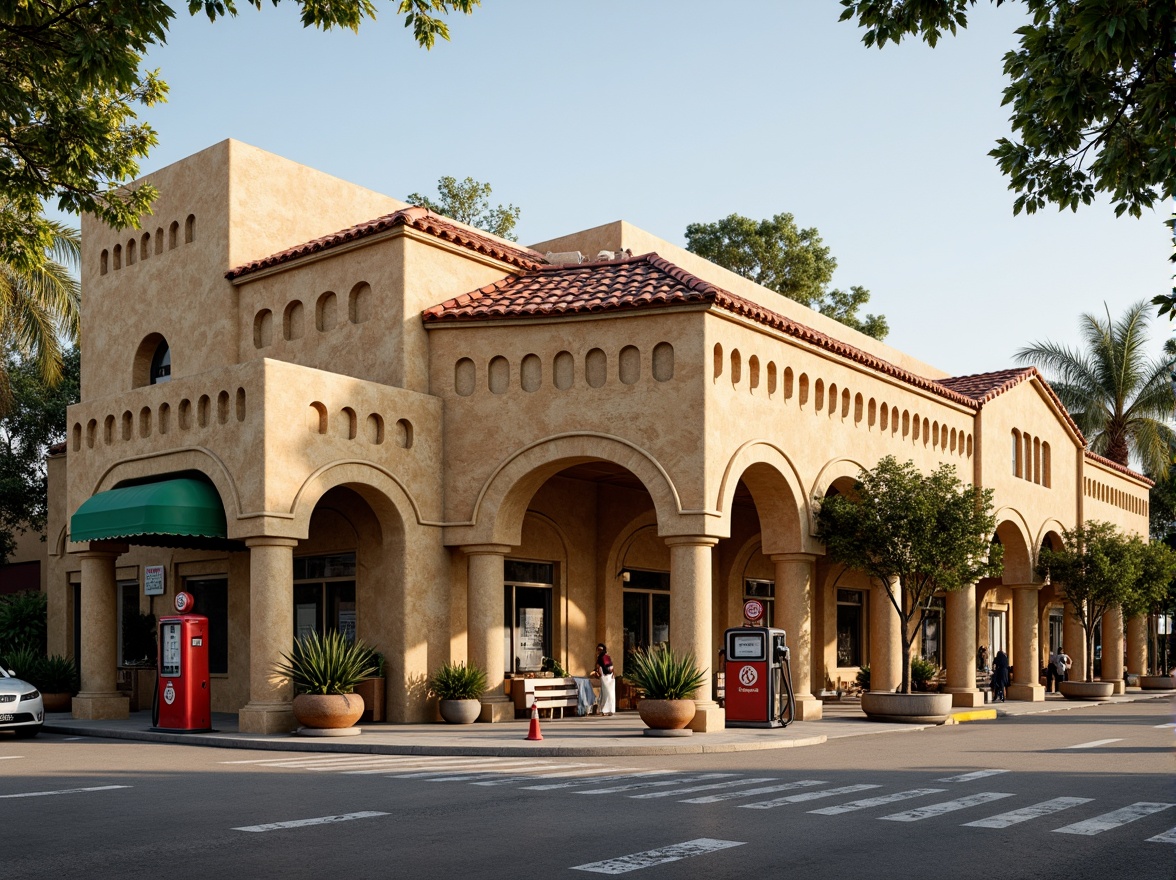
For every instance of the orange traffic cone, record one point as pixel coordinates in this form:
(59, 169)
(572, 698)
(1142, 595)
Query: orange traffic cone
(534, 735)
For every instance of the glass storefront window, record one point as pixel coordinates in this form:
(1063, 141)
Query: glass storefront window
(526, 611)
(931, 637)
(646, 609)
(765, 591)
(849, 628)
(212, 600)
(324, 595)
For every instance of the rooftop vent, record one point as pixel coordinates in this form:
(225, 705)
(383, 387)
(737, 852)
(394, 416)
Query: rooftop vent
(565, 258)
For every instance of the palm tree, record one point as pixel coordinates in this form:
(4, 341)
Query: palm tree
(1120, 398)
(40, 309)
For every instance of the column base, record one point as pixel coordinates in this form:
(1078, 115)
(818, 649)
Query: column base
(708, 717)
(266, 718)
(1120, 685)
(809, 708)
(1028, 693)
(101, 706)
(968, 698)
(496, 709)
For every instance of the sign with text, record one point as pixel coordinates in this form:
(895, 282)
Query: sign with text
(154, 582)
(753, 609)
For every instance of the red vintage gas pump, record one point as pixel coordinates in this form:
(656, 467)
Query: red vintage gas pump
(183, 702)
(759, 680)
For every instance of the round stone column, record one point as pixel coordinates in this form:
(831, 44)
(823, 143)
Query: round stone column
(271, 633)
(690, 618)
(99, 697)
(885, 640)
(1112, 648)
(961, 648)
(1137, 645)
(1026, 657)
(1074, 644)
(794, 602)
(485, 633)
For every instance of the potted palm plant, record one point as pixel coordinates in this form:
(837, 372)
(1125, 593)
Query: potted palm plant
(458, 689)
(325, 670)
(669, 681)
(56, 677)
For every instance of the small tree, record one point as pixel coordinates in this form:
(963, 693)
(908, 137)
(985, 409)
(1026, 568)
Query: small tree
(922, 533)
(1097, 569)
(1153, 589)
(468, 201)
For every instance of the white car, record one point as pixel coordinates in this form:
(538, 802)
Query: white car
(21, 709)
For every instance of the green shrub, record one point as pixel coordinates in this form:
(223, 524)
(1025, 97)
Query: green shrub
(456, 681)
(24, 622)
(327, 664)
(922, 671)
(863, 677)
(24, 662)
(663, 674)
(56, 675)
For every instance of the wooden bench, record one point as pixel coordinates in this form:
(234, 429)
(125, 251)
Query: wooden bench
(548, 694)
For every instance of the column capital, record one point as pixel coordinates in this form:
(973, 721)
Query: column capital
(1034, 587)
(270, 541)
(485, 549)
(102, 549)
(690, 540)
(794, 557)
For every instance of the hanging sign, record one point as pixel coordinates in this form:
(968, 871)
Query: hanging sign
(154, 582)
(184, 602)
(753, 609)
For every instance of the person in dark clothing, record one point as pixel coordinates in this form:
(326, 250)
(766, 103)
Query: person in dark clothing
(1000, 676)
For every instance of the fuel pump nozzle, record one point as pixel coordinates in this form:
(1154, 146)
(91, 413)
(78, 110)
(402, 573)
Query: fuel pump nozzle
(781, 655)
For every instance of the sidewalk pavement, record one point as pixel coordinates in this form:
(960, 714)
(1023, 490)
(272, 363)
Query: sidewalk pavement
(590, 736)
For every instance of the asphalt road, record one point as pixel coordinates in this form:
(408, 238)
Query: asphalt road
(1068, 795)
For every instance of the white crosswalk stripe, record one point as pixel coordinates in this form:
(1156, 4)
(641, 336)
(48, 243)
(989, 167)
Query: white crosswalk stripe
(598, 773)
(1114, 819)
(974, 775)
(1168, 836)
(808, 796)
(552, 786)
(932, 810)
(763, 789)
(1045, 808)
(501, 773)
(712, 786)
(657, 783)
(879, 801)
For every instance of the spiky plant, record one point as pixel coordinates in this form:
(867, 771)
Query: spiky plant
(329, 664)
(456, 681)
(663, 674)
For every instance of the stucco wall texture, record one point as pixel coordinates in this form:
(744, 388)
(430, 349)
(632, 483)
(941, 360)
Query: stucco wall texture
(330, 416)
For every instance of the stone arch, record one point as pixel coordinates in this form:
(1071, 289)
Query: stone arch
(840, 474)
(498, 511)
(1018, 550)
(778, 493)
(375, 485)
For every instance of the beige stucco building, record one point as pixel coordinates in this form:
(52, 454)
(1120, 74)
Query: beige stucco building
(460, 448)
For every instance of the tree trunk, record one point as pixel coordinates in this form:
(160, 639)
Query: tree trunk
(1090, 653)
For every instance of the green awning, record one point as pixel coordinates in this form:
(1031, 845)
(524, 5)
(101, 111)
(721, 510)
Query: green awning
(169, 513)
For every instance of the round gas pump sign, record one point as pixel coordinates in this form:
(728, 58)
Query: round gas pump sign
(753, 609)
(169, 694)
(184, 602)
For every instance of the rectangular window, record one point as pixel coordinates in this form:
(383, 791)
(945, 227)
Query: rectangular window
(931, 636)
(324, 595)
(849, 628)
(765, 591)
(646, 609)
(526, 611)
(134, 629)
(212, 600)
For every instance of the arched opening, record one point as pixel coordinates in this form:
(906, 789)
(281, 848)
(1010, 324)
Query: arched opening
(152, 364)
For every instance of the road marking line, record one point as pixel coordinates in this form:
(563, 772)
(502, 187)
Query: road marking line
(764, 789)
(1036, 811)
(1169, 724)
(968, 777)
(1114, 819)
(10, 757)
(650, 784)
(807, 796)
(500, 779)
(322, 820)
(63, 791)
(419, 771)
(714, 785)
(660, 856)
(467, 772)
(72, 738)
(931, 810)
(565, 774)
(1168, 836)
(1094, 744)
(615, 778)
(879, 801)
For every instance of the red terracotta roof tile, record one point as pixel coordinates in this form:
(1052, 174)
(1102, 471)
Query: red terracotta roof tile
(415, 217)
(1115, 466)
(983, 387)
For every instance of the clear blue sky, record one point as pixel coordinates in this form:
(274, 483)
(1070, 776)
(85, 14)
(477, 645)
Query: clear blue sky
(666, 113)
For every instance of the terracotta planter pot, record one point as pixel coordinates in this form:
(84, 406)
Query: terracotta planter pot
(1157, 682)
(908, 708)
(56, 702)
(1096, 691)
(460, 711)
(666, 714)
(328, 711)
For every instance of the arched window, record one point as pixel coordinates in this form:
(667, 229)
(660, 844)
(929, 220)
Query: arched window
(161, 364)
